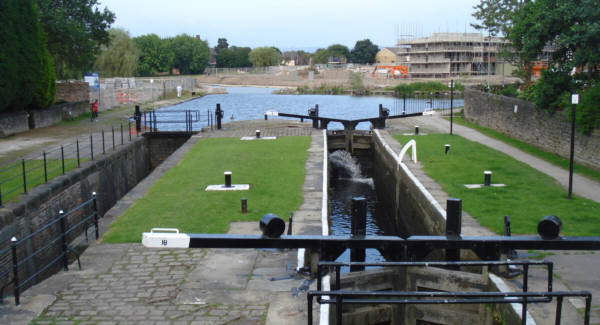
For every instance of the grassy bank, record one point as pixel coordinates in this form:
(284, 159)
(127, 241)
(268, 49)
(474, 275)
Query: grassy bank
(528, 197)
(532, 150)
(274, 170)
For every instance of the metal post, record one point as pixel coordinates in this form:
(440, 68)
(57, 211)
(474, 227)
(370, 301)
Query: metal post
(113, 136)
(103, 149)
(258, 134)
(13, 244)
(416, 130)
(91, 147)
(62, 158)
(453, 225)
(138, 119)
(525, 288)
(24, 175)
(446, 148)
(61, 215)
(227, 179)
(559, 302)
(403, 104)
(45, 169)
(289, 231)
(122, 142)
(218, 116)
(451, 103)
(0, 194)
(359, 228)
(77, 146)
(244, 205)
(95, 212)
(487, 178)
(572, 151)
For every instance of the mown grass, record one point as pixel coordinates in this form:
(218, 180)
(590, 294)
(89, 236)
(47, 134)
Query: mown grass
(528, 197)
(274, 170)
(532, 150)
(11, 176)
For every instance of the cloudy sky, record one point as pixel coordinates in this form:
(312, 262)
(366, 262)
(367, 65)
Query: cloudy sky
(300, 24)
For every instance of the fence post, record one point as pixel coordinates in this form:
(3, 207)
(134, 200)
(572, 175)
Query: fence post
(77, 145)
(103, 150)
(0, 194)
(91, 147)
(113, 136)
(61, 215)
(62, 158)
(403, 104)
(45, 169)
(13, 244)
(24, 176)
(453, 225)
(359, 228)
(122, 134)
(129, 129)
(95, 212)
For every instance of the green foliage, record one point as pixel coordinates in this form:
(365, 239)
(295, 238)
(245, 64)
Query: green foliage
(528, 92)
(510, 90)
(528, 196)
(338, 51)
(550, 87)
(264, 57)
(322, 89)
(25, 79)
(274, 170)
(425, 87)
(119, 58)
(221, 44)
(233, 57)
(364, 52)
(587, 113)
(356, 82)
(155, 55)
(571, 26)
(495, 15)
(191, 55)
(321, 56)
(76, 29)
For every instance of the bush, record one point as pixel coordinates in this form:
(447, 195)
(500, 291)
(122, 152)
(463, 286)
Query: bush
(587, 116)
(425, 87)
(550, 87)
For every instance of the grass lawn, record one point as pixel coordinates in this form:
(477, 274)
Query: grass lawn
(528, 197)
(532, 150)
(274, 170)
(11, 176)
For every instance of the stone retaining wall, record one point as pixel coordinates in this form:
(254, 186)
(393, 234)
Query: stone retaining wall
(13, 123)
(550, 132)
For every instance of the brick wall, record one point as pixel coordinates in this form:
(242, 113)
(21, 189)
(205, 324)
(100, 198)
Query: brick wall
(550, 132)
(72, 91)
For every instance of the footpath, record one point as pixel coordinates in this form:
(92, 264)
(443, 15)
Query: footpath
(573, 270)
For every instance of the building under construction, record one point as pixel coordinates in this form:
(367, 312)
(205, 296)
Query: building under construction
(448, 54)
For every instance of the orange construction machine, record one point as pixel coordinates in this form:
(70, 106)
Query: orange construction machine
(394, 71)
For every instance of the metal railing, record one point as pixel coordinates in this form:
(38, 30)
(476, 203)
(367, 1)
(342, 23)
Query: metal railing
(340, 297)
(440, 102)
(56, 237)
(23, 174)
(177, 120)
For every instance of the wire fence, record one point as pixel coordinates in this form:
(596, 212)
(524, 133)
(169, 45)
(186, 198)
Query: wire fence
(22, 175)
(28, 260)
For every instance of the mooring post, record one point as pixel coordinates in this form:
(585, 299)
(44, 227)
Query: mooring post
(487, 178)
(15, 267)
(258, 134)
(453, 225)
(244, 205)
(227, 179)
(416, 130)
(314, 113)
(219, 115)
(359, 228)
(447, 148)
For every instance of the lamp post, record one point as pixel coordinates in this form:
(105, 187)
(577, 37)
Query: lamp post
(574, 102)
(451, 85)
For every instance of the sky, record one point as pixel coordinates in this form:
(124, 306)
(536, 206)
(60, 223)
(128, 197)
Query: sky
(292, 25)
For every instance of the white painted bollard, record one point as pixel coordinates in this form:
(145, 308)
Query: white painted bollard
(258, 134)
(227, 179)
(487, 178)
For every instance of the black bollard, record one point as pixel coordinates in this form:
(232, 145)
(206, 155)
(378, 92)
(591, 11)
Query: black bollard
(291, 220)
(272, 225)
(138, 119)
(219, 115)
(227, 179)
(359, 228)
(416, 130)
(549, 227)
(266, 118)
(453, 225)
(258, 134)
(244, 205)
(447, 150)
(487, 178)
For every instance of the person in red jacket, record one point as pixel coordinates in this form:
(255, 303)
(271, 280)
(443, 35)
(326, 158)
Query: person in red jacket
(95, 110)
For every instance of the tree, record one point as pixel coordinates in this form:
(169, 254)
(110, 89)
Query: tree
(233, 57)
(571, 27)
(76, 29)
(496, 16)
(264, 57)
(364, 52)
(25, 79)
(338, 51)
(155, 55)
(221, 45)
(191, 55)
(321, 56)
(120, 57)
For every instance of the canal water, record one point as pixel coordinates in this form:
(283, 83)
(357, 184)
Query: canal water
(250, 103)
